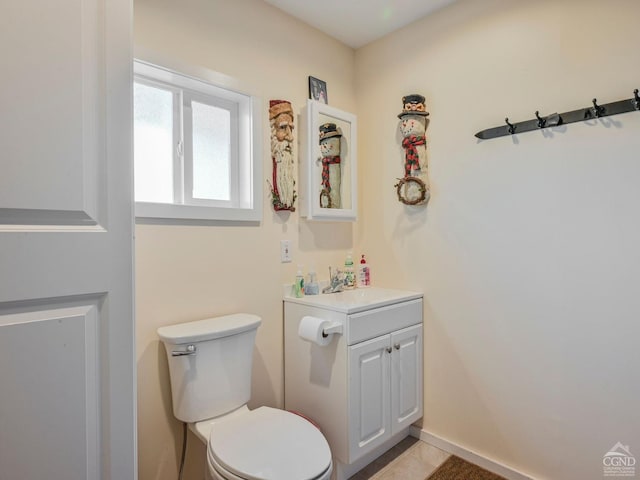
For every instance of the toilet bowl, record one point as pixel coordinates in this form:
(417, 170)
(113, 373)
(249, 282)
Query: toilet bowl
(210, 371)
(266, 444)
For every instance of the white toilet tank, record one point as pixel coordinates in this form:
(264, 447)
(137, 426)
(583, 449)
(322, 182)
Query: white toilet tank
(210, 365)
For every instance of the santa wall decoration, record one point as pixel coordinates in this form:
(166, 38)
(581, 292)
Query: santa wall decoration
(283, 193)
(413, 188)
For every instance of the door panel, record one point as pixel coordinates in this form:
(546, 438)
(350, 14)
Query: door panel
(53, 100)
(67, 365)
(55, 350)
(369, 396)
(406, 377)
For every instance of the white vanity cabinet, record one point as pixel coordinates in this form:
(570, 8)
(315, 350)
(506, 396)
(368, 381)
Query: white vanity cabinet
(385, 387)
(363, 389)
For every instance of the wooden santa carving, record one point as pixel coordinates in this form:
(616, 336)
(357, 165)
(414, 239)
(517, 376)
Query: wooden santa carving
(283, 193)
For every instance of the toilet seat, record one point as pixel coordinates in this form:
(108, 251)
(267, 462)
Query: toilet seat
(217, 472)
(268, 444)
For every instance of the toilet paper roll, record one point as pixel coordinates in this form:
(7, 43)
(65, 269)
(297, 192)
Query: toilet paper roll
(311, 329)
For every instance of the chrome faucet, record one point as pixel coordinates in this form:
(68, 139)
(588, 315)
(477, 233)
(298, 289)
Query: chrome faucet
(336, 282)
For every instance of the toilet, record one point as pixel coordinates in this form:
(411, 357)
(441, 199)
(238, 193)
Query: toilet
(210, 369)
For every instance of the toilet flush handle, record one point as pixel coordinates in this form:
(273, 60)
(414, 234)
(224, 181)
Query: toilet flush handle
(191, 350)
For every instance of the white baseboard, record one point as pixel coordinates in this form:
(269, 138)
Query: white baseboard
(468, 455)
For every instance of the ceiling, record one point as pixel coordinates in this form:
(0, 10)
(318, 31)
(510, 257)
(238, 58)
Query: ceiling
(358, 22)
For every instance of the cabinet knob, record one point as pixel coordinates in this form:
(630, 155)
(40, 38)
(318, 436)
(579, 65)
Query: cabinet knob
(388, 349)
(397, 346)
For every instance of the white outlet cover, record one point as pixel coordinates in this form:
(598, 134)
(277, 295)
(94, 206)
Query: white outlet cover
(285, 251)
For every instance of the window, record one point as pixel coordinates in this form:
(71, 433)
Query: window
(196, 152)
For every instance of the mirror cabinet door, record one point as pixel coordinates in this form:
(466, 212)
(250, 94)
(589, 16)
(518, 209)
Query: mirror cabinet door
(329, 163)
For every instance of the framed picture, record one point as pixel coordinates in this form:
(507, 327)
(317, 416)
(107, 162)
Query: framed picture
(317, 90)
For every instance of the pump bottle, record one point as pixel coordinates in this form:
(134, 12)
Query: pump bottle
(349, 273)
(364, 274)
(298, 286)
(312, 287)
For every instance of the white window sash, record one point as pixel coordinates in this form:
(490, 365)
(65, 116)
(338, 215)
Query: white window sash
(234, 187)
(177, 141)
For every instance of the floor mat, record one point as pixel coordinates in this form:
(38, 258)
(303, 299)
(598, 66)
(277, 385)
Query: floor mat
(455, 468)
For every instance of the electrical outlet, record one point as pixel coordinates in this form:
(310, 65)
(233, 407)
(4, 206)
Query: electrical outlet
(285, 251)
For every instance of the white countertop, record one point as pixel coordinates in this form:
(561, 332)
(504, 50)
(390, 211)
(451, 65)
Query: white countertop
(356, 300)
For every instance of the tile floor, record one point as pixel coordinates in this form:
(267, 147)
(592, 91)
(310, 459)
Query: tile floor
(411, 459)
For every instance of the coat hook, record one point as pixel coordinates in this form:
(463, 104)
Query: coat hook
(597, 109)
(637, 99)
(541, 121)
(512, 128)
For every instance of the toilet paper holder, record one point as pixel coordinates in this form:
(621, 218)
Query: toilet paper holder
(333, 328)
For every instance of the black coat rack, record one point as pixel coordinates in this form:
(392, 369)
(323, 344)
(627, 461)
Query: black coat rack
(555, 119)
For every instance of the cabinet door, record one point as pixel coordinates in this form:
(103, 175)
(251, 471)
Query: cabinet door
(337, 200)
(369, 396)
(406, 377)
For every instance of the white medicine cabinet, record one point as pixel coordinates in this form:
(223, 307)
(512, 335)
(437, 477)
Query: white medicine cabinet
(328, 163)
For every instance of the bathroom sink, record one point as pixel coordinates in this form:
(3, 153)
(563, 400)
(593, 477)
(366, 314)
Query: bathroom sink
(356, 300)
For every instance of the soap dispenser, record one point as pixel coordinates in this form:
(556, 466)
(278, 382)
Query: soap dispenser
(298, 285)
(312, 287)
(364, 274)
(349, 273)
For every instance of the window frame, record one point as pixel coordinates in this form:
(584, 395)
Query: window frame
(210, 88)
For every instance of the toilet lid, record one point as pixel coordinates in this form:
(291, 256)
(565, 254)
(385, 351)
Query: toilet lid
(270, 444)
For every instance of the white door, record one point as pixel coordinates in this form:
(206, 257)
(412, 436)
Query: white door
(67, 381)
(406, 377)
(369, 424)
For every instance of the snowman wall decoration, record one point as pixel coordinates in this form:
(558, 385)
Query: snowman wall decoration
(413, 188)
(331, 171)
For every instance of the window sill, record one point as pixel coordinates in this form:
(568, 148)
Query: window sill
(167, 211)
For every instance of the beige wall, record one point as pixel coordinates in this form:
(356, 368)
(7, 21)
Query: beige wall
(528, 250)
(188, 272)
